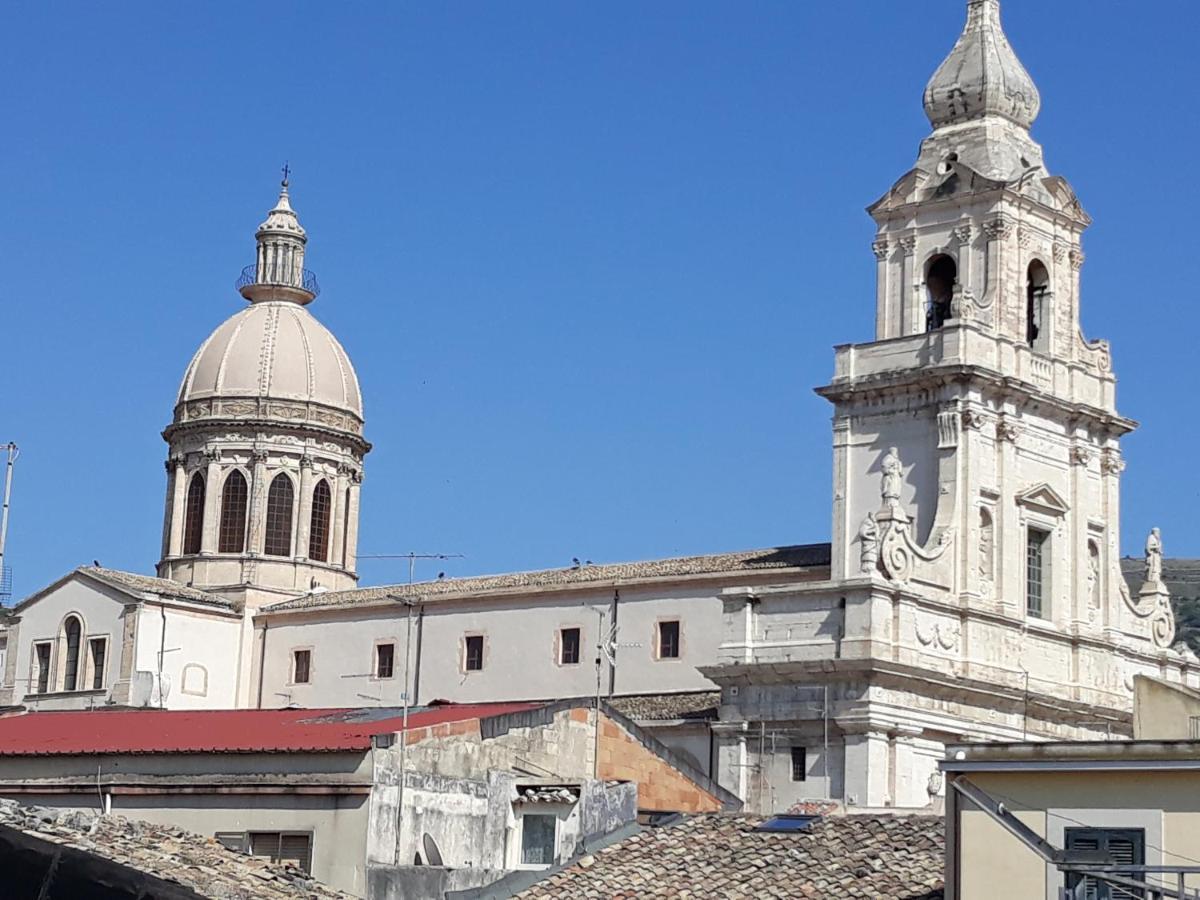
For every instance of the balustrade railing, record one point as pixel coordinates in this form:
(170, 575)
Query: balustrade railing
(283, 276)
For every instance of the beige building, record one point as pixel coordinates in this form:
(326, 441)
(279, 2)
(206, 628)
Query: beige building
(971, 590)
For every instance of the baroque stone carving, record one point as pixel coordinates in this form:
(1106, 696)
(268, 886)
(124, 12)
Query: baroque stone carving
(1154, 557)
(1077, 258)
(868, 539)
(1111, 463)
(908, 245)
(963, 233)
(239, 408)
(938, 634)
(212, 454)
(947, 423)
(1080, 456)
(973, 419)
(306, 461)
(1008, 429)
(881, 248)
(259, 455)
(999, 228)
(893, 472)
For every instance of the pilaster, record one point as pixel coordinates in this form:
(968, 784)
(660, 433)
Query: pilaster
(178, 500)
(304, 516)
(212, 501)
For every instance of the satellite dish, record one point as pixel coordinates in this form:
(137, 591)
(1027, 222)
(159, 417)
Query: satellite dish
(431, 850)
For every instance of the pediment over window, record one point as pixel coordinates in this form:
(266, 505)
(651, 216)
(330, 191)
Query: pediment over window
(1043, 498)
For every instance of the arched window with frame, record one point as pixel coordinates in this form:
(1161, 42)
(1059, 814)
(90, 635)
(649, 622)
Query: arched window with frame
(234, 499)
(280, 501)
(1037, 312)
(940, 279)
(72, 638)
(318, 532)
(193, 518)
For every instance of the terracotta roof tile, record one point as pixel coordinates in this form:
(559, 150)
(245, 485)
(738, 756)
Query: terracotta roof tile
(794, 557)
(698, 705)
(857, 856)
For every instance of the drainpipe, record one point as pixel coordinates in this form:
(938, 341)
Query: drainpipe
(262, 661)
(416, 698)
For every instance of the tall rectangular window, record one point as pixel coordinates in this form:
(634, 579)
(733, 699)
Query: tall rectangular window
(42, 660)
(1037, 570)
(569, 646)
(799, 764)
(538, 832)
(1119, 846)
(385, 660)
(473, 652)
(668, 640)
(301, 666)
(98, 650)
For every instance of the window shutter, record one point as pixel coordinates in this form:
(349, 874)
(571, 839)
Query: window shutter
(296, 850)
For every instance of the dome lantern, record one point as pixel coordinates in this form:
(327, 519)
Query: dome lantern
(278, 271)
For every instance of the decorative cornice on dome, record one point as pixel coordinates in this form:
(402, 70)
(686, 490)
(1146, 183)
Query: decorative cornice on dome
(982, 76)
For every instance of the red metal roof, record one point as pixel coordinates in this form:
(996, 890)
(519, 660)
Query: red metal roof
(222, 731)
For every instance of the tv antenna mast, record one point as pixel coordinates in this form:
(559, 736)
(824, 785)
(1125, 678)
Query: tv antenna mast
(6, 571)
(412, 558)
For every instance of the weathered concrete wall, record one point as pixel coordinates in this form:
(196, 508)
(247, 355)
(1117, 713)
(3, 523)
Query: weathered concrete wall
(660, 786)
(1163, 711)
(423, 882)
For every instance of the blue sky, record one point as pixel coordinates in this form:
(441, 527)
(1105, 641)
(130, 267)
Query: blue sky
(589, 259)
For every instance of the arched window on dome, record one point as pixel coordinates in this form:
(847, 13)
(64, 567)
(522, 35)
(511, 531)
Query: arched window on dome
(234, 496)
(72, 636)
(318, 532)
(193, 519)
(280, 500)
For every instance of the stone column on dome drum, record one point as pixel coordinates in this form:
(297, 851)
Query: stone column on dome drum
(178, 496)
(212, 497)
(304, 517)
(258, 493)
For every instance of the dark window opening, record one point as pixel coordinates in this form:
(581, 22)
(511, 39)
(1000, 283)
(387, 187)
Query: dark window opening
(1105, 846)
(73, 632)
(537, 839)
(234, 500)
(43, 667)
(318, 532)
(98, 647)
(193, 518)
(668, 640)
(570, 646)
(290, 848)
(1036, 291)
(940, 281)
(385, 660)
(301, 666)
(799, 764)
(474, 653)
(279, 517)
(1036, 572)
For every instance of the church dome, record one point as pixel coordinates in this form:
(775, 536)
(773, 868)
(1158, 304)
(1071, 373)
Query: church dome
(273, 350)
(982, 75)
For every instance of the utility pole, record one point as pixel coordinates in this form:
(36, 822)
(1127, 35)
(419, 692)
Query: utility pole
(606, 649)
(5, 571)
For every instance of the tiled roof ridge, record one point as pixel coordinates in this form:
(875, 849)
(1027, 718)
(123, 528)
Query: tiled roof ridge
(792, 556)
(152, 584)
(165, 852)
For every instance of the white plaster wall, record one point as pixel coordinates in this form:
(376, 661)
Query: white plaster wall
(520, 649)
(206, 646)
(100, 610)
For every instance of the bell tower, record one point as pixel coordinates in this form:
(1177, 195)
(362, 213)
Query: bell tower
(976, 439)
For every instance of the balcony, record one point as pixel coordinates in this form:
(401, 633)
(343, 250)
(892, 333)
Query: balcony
(277, 280)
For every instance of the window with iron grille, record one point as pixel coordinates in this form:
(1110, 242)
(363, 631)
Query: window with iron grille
(1109, 846)
(385, 660)
(799, 764)
(1037, 570)
(668, 640)
(73, 631)
(279, 517)
(569, 646)
(318, 532)
(288, 847)
(234, 500)
(301, 666)
(42, 653)
(193, 517)
(473, 652)
(98, 650)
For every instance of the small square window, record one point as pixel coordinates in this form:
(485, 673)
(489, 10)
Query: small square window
(385, 660)
(799, 764)
(668, 640)
(537, 839)
(301, 666)
(473, 656)
(569, 646)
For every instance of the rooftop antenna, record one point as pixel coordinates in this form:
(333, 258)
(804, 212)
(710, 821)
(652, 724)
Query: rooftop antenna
(6, 571)
(412, 558)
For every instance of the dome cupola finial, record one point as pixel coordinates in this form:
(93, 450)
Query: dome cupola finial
(278, 272)
(982, 76)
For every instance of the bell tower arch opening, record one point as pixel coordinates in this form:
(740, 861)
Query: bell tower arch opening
(1037, 301)
(941, 275)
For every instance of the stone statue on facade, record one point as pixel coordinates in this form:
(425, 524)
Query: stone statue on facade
(892, 478)
(1154, 557)
(868, 539)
